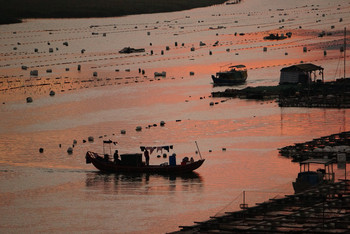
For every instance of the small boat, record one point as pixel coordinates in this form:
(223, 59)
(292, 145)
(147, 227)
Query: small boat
(104, 165)
(129, 50)
(310, 179)
(275, 37)
(132, 163)
(234, 75)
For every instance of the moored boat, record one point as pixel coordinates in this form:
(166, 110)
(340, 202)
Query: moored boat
(233, 75)
(308, 179)
(128, 50)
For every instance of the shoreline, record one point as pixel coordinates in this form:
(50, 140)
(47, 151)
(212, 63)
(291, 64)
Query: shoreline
(16, 11)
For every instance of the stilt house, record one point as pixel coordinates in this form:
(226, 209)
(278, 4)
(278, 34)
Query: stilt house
(301, 73)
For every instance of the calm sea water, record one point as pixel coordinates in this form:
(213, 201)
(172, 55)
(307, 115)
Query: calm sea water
(57, 192)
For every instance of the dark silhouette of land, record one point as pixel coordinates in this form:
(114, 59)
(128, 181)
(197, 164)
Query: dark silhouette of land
(14, 10)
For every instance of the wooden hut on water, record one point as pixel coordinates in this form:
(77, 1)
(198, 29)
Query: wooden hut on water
(301, 73)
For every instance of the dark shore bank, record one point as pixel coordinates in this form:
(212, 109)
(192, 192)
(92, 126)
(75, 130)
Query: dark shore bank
(15, 10)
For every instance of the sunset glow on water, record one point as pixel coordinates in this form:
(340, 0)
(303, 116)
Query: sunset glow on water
(57, 192)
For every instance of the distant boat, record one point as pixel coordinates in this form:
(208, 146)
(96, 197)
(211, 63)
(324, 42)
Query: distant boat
(136, 166)
(308, 179)
(233, 75)
(128, 50)
(275, 37)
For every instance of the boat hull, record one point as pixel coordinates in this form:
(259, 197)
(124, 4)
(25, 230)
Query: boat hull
(110, 167)
(228, 81)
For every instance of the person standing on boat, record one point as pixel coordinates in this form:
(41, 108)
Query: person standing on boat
(147, 157)
(116, 157)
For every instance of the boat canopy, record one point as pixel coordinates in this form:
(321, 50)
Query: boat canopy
(321, 161)
(238, 66)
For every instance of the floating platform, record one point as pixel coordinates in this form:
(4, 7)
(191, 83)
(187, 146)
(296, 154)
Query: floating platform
(325, 209)
(323, 147)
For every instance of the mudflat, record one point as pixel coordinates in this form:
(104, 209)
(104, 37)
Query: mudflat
(13, 11)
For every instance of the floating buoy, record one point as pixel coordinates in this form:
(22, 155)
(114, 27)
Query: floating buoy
(265, 49)
(94, 74)
(191, 73)
(123, 131)
(52, 93)
(29, 99)
(162, 123)
(75, 142)
(41, 150)
(70, 150)
(79, 67)
(138, 128)
(34, 73)
(211, 103)
(90, 138)
(223, 149)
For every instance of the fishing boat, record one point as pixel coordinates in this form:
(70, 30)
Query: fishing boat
(275, 37)
(129, 50)
(132, 163)
(233, 75)
(308, 179)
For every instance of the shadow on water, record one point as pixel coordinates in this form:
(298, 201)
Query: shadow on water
(142, 183)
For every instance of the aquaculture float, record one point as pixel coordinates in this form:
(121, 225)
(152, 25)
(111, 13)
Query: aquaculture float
(320, 210)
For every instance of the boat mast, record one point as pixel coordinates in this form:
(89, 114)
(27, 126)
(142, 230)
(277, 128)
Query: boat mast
(198, 150)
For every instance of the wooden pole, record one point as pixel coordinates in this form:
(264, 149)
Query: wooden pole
(198, 150)
(344, 51)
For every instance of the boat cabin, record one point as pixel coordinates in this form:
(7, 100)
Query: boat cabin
(327, 169)
(301, 73)
(308, 178)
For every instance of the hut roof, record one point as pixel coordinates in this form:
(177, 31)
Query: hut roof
(307, 67)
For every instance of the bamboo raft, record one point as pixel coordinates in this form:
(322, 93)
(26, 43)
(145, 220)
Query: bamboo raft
(325, 209)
